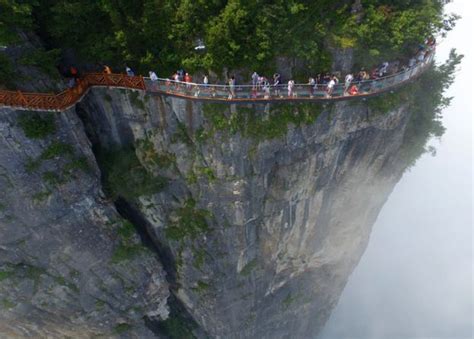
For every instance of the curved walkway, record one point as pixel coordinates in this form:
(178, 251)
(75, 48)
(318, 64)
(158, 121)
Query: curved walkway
(219, 93)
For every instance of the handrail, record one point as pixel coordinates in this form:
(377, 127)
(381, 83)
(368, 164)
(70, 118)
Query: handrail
(215, 92)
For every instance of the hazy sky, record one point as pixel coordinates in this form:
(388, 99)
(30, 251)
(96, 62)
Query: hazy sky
(415, 278)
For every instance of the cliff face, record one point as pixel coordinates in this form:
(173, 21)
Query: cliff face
(267, 209)
(70, 265)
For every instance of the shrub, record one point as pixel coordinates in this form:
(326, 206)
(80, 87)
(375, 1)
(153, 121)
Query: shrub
(190, 222)
(126, 177)
(56, 149)
(36, 125)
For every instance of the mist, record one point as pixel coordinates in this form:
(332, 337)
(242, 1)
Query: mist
(415, 278)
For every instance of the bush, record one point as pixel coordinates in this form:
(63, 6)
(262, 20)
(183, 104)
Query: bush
(56, 149)
(126, 177)
(36, 125)
(190, 222)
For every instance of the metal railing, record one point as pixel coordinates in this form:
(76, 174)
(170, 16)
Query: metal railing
(282, 92)
(239, 93)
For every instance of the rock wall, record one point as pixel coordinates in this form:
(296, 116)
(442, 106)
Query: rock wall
(268, 208)
(70, 265)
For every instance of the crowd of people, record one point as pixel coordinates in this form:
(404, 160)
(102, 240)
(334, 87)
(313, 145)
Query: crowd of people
(353, 83)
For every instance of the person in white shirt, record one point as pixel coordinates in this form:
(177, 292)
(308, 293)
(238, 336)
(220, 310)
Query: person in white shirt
(153, 76)
(291, 84)
(331, 85)
(347, 81)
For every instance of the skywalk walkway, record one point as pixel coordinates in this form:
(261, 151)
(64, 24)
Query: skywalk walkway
(201, 92)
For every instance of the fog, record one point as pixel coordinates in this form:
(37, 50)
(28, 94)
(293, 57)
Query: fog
(415, 278)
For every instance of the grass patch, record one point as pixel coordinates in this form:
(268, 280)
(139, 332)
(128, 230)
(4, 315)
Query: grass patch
(6, 274)
(32, 165)
(126, 230)
(125, 252)
(135, 100)
(248, 268)
(207, 172)
(57, 149)
(190, 222)
(181, 135)
(77, 164)
(201, 287)
(251, 124)
(289, 300)
(199, 258)
(122, 328)
(176, 327)
(37, 125)
(44, 60)
(151, 157)
(126, 177)
(7, 304)
(41, 196)
(52, 179)
(107, 97)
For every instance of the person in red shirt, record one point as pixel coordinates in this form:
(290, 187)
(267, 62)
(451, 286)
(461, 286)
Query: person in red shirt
(353, 90)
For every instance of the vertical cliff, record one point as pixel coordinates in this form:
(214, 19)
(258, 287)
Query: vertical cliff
(264, 209)
(70, 265)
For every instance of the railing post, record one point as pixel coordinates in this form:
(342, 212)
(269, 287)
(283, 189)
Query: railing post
(22, 99)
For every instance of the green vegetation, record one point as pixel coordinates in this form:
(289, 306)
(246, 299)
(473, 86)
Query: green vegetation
(162, 35)
(252, 124)
(7, 72)
(249, 267)
(126, 230)
(5, 274)
(181, 135)
(189, 222)
(125, 176)
(122, 328)
(77, 164)
(427, 102)
(289, 300)
(57, 149)
(32, 165)
(151, 157)
(176, 327)
(128, 248)
(425, 99)
(124, 252)
(201, 287)
(52, 179)
(37, 125)
(45, 61)
(199, 258)
(41, 196)
(135, 100)
(7, 303)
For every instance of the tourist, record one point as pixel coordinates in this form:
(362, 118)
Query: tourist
(107, 69)
(74, 73)
(153, 76)
(353, 90)
(347, 81)
(232, 87)
(259, 82)
(188, 80)
(266, 88)
(180, 73)
(205, 81)
(383, 69)
(421, 56)
(277, 83)
(330, 86)
(129, 71)
(255, 77)
(312, 85)
(291, 85)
